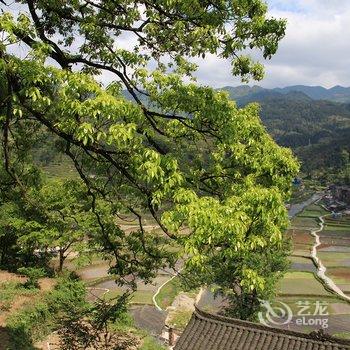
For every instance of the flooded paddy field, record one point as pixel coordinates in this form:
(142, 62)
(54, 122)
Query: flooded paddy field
(301, 284)
(302, 264)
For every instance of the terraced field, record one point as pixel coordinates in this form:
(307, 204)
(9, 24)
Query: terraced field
(299, 263)
(301, 283)
(341, 275)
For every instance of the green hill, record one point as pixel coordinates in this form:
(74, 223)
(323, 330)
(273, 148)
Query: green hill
(317, 130)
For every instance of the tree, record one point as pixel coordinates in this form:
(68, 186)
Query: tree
(17, 218)
(180, 152)
(57, 221)
(264, 264)
(92, 326)
(66, 220)
(345, 160)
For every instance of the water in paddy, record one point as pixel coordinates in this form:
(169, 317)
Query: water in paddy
(336, 249)
(299, 207)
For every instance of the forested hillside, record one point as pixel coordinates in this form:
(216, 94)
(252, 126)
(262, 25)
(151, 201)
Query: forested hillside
(317, 130)
(335, 94)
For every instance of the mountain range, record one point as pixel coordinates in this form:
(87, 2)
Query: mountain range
(335, 94)
(313, 121)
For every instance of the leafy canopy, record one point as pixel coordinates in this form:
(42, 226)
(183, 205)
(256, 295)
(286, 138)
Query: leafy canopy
(206, 172)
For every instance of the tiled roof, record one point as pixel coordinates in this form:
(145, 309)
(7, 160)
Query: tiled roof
(212, 332)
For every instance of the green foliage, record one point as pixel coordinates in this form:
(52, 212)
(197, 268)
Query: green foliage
(317, 130)
(168, 293)
(68, 294)
(38, 319)
(345, 167)
(30, 324)
(55, 222)
(33, 274)
(9, 291)
(190, 157)
(66, 310)
(84, 327)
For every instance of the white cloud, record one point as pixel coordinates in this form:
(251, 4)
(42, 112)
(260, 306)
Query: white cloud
(315, 51)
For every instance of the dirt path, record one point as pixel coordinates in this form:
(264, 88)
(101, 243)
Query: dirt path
(158, 291)
(321, 269)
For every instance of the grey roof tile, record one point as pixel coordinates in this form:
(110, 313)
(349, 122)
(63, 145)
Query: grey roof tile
(212, 332)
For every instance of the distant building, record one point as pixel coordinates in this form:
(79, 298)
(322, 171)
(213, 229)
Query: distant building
(297, 181)
(336, 216)
(341, 193)
(212, 332)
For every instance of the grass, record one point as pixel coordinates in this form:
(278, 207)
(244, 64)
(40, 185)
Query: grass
(298, 275)
(308, 217)
(292, 302)
(344, 236)
(126, 325)
(338, 229)
(342, 219)
(335, 259)
(342, 335)
(337, 225)
(300, 260)
(169, 292)
(313, 211)
(61, 170)
(310, 214)
(300, 194)
(341, 275)
(335, 222)
(150, 343)
(9, 291)
(306, 222)
(318, 208)
(304, 283)
(139, 297)
(303, 252)
(334, 255)
(180, 318)
(301, 264)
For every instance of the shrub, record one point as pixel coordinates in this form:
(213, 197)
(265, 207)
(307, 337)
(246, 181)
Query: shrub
(36, 321)
(28, 325)
(33, 274)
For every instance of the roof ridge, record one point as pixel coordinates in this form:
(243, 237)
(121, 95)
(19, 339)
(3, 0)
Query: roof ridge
(262, 328)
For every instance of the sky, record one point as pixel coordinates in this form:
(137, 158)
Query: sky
(315, 50)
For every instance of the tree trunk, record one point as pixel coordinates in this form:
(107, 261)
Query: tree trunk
(61, 260)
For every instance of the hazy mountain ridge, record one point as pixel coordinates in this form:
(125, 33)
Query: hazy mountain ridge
(336, 93)
(317, 129)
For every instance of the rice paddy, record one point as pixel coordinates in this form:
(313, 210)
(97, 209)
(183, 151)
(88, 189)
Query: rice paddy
(301, 285)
